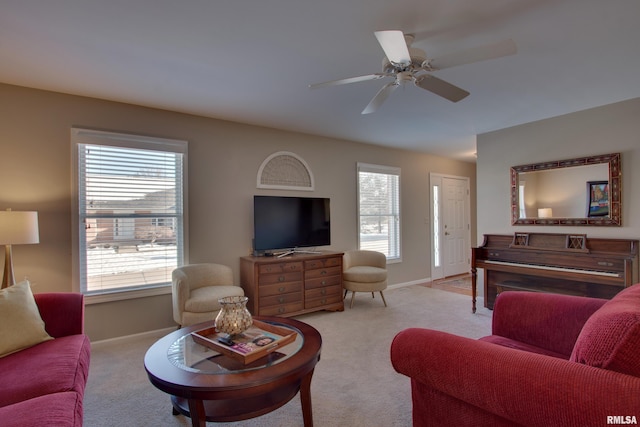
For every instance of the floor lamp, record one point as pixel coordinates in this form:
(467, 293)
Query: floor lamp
(16, 228)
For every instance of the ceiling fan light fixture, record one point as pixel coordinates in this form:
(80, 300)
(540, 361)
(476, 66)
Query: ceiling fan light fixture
(426, 65)
(405, 63)
(418, 57)
(404, 77)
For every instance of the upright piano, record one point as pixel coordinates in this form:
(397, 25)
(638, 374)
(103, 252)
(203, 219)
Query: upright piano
(548, 262)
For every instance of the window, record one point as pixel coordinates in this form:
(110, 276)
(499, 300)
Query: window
(521, 207)
(130, 206)
(379, 209)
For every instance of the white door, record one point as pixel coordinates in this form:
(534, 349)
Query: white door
(455, 225)
(450, 219)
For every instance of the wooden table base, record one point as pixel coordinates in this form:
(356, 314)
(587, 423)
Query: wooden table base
(229, 410)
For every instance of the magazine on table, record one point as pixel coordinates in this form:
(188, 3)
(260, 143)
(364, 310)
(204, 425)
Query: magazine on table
(251, 340)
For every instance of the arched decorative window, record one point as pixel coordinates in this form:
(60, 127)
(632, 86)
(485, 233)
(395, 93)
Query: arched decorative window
(285, 171)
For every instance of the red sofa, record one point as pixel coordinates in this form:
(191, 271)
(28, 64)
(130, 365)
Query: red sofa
(552, 360)
(44, 385)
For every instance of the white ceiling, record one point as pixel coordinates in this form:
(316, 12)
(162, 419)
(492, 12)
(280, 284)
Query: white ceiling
(252, 61)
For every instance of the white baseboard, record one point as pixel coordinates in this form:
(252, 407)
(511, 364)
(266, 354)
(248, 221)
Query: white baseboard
(158, 333)
(411, 283)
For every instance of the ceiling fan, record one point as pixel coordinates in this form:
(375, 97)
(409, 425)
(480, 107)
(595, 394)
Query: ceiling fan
(409, 64)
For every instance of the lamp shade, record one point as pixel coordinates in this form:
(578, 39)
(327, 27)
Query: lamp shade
(17, 228)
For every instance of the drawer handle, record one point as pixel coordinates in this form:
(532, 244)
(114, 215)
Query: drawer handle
(323, 272)
(281, 300)
(281, 289)
(281, 310)
(324, 301)
(324, 282)
(280, 278)
(323, 292)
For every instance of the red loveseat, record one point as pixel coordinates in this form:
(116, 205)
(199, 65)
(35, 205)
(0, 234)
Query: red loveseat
(552, 360)
(44, 385)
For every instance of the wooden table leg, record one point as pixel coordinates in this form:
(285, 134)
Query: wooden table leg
(474, 288)
(196, 411)
(305, 399)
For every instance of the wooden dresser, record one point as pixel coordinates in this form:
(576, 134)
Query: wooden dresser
(292, 285)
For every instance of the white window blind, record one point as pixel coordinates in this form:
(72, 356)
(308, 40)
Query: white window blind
(130, 211)
(379, 209)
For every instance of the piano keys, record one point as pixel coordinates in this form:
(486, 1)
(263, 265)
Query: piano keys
(549, 262)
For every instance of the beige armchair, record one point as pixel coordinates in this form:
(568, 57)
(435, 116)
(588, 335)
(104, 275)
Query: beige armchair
(364, 271)
(196, 289)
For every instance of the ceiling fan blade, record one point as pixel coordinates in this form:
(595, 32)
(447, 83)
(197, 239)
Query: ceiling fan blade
(394, 46)
(350, 80)
(380, 97)
(441, 88)
(476, 54)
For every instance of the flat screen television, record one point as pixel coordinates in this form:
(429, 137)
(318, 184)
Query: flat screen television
(290, 222)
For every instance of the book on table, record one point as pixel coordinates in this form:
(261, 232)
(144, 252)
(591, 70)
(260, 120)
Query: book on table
(258, 341)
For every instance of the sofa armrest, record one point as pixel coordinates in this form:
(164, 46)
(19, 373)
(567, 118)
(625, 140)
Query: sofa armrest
(545, 320)
(62, 312)
(524, 388)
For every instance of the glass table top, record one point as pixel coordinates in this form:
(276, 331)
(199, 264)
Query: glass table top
(187, 354)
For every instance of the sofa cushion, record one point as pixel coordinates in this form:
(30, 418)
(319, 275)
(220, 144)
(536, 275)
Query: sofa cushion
(205, 300)
(53, 366)
(610, 339)
(20, 323)
(57, 409)
(364, 274)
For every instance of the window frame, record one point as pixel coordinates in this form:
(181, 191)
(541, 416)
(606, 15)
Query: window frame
(385, 170)
(81, 136)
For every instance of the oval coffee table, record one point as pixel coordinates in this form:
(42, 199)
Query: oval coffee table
(208, 386)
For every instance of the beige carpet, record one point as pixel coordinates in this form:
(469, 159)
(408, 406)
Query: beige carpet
(354, 383)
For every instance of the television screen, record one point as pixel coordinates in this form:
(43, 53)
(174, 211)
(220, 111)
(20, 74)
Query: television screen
(290, 222)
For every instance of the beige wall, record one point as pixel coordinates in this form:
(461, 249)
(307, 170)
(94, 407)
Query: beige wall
(224, 157)
(608, 129)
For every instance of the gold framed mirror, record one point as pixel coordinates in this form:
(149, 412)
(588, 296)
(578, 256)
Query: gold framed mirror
(585, 191)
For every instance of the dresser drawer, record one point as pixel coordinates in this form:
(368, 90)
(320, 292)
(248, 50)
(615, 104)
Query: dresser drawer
(319, 302)
(323, 272)
(280, 267)
(281, 309)
(280, 288)
(326, 291)
(291, 297)
(323, 263)
(269, 279)
(322, 282)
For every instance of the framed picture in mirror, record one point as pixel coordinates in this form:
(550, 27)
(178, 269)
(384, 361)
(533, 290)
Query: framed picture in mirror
(598, 199)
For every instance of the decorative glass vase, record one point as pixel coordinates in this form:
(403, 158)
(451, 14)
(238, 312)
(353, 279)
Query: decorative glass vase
(234, 317)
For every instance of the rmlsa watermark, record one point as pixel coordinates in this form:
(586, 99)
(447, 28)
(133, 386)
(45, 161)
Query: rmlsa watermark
(621, 419)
